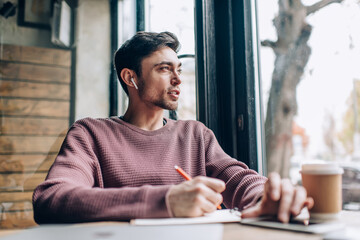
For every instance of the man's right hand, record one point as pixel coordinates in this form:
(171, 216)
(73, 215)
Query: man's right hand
(195, 197)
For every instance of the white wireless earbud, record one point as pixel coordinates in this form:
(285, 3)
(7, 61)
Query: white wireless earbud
(132, 80)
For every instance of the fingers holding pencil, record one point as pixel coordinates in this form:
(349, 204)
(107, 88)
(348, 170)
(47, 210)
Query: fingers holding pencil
(195, 197)
(219, 187)
(214, 184)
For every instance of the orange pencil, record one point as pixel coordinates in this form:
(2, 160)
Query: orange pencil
(187, 177)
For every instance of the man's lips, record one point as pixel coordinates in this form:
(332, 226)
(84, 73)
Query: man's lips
(174, 92)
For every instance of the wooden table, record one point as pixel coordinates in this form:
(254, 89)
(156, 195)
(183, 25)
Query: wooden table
(235, 231)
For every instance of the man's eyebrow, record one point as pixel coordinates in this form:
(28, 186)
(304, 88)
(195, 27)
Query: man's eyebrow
(167, 63)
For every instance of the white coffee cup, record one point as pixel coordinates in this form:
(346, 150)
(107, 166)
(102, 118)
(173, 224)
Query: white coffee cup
(323, 182)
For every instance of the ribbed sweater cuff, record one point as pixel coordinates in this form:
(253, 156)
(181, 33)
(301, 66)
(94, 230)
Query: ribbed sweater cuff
(257, 195)
(158, 204)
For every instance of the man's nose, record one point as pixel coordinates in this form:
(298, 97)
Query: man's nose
(176, 80)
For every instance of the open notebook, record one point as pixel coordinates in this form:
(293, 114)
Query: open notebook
(231, 215)
(219, 216)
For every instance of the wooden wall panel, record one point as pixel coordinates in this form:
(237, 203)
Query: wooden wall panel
(16, 210)
(34, 90)
(33, 126)
(18, 219)
(33, 107)
(38, 55)
(30, 144)
(42, 73)
(10, 53)
(21, 181)
(16, 206)
(16, 196)
(26, 162)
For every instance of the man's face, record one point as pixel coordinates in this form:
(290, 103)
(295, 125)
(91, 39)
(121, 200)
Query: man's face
(159, 81)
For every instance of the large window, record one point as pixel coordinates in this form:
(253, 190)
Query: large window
(126, 29)
(311, 86)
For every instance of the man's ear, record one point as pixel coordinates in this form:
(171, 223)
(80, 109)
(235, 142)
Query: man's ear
(126, 75)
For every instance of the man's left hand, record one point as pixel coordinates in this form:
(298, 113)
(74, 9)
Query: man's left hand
(280, 198)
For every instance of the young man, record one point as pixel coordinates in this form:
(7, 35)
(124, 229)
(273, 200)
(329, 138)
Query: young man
(121, 168)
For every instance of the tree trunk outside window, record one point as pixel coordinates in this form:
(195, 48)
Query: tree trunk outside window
(292, 53)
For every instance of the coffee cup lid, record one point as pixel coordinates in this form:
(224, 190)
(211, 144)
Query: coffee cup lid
(321, 168)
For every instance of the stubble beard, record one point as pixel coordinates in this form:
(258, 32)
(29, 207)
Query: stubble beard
(159, 101)
(166, 105)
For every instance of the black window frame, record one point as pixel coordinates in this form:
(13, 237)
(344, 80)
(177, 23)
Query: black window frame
(225, 74)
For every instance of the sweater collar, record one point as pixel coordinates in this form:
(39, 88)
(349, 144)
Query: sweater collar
(168, 123)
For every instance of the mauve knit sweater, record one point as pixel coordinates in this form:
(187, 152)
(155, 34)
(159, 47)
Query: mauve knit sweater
(108, 169)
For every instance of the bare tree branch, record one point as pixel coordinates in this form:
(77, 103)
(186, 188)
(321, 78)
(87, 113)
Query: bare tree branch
(317, 6)
(269, 43)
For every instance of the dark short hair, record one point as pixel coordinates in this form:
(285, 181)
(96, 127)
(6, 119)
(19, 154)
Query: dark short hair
(141, 45)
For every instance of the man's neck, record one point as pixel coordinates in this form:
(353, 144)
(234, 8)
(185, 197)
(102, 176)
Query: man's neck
(148, 121)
